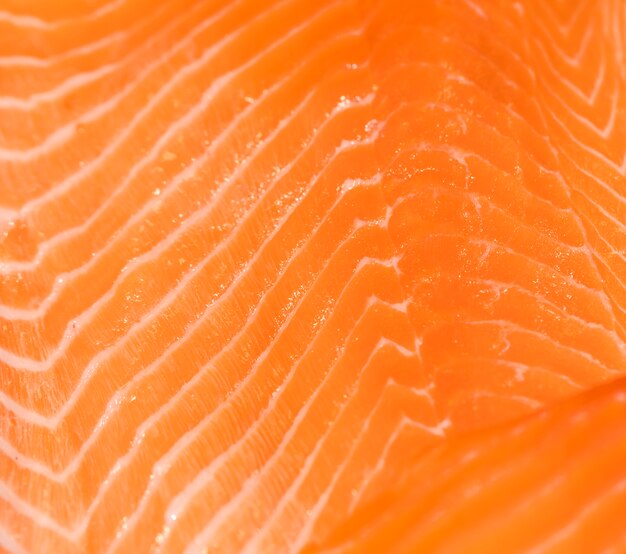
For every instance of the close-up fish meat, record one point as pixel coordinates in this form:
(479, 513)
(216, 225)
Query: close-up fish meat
(294, 276)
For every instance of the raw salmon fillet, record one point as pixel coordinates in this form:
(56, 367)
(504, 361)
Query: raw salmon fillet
(312, 276)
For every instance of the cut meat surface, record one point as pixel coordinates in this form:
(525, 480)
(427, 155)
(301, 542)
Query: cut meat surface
(290, 276)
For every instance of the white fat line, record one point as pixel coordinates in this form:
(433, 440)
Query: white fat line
(86, 49)
(374, 300)
(519, 369)
(34, 22)
(461, 117)
(63, 89)
(368, 260)
(349, 184)
(32, 465)
(477, 9)
(38, 517)
(532, 403)
(9, 543)
(60, 136)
